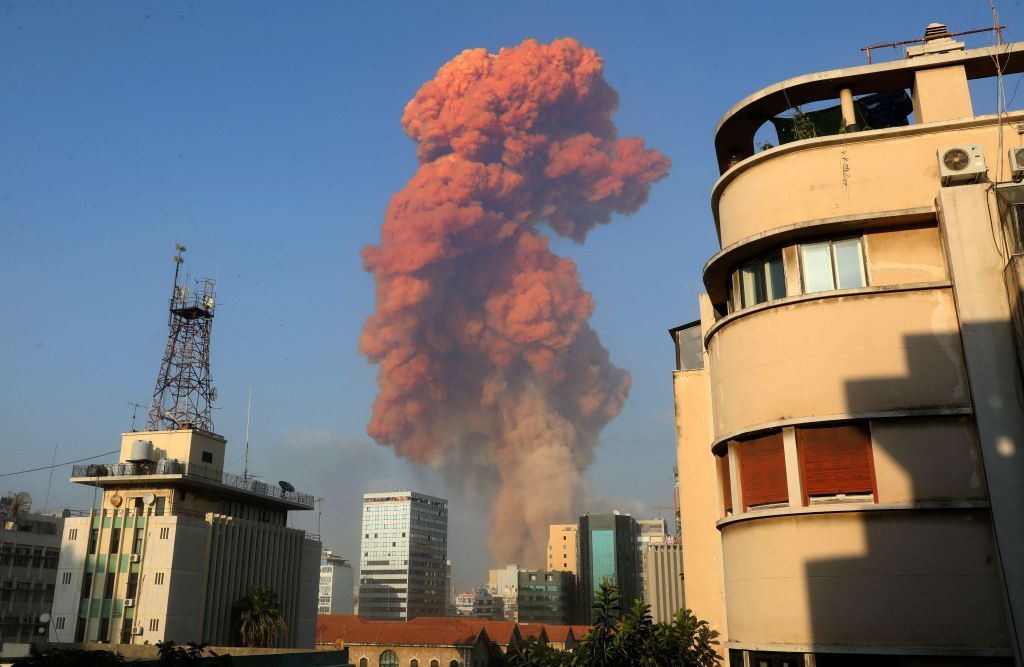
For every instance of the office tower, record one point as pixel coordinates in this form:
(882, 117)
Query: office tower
(403, 558)
(545, 597)
(661, 559)
(607, 551)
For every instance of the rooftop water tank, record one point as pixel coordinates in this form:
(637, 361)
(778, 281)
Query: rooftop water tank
(142, 450)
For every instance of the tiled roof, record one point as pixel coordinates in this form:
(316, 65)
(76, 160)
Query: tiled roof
(556, 633)
(418, 632)
(533, 630)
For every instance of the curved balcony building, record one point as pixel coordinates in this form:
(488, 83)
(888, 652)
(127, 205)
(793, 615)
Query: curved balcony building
(850, 429)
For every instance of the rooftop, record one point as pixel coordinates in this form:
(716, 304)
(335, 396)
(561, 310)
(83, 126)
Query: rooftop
(177, 472)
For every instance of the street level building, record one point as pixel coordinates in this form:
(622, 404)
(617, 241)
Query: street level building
(607, 551)
(562, 547)
(29, 551)
(336, 584)
(403, 558)
(849, 421)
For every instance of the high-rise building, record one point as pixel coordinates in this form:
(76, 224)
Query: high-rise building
(336, 584)
(177, 543)
(648, 530)
(545, 596)
(562, 547)
(607, 550)
(662, 562)
(403, 562)
(849, 425)
(29, 550)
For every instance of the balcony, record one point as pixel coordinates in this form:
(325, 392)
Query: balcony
(172, 469)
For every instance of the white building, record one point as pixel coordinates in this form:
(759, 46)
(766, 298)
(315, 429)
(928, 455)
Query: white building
(29, 548)
(403, 559)
(336, 584)
(176, 543)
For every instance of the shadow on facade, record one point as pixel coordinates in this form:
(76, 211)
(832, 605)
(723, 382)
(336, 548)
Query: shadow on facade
(922, 579)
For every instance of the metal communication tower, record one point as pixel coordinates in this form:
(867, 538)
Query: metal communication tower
(183, 396)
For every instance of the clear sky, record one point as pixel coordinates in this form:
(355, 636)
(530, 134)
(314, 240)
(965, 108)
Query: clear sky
(266, 138)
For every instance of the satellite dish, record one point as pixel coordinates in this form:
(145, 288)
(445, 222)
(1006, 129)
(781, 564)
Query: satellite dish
(44, 617)
(285, 486)
(149, 498)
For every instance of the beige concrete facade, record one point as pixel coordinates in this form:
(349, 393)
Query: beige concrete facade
(883, 362)
(562, 547)
(175, 543)
(663, 578)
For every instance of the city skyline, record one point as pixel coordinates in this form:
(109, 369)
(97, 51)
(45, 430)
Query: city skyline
(249, 163)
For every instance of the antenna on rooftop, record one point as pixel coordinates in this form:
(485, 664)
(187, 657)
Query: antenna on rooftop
(248, 413)
(183, 397)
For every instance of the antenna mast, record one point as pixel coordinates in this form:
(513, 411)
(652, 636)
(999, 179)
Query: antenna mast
(183, 397)
(248, 413)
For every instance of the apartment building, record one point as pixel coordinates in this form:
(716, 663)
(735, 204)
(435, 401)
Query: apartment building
(29, 549)
(403, 568)
(849, 421)
(336, 585)
(561, 554)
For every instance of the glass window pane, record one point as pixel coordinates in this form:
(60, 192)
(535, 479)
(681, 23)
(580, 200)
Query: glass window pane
(849, 263)
(817, 267)
(776, 287)
(752, 283)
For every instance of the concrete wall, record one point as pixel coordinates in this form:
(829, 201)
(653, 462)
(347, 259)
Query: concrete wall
(663, 580)
(185, 445)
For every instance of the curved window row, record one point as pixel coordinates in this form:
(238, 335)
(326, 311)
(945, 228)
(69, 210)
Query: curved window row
(389, 658)
(823, 464)
(818, 266)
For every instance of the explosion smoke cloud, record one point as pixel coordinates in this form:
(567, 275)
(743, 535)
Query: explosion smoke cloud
(489, 369)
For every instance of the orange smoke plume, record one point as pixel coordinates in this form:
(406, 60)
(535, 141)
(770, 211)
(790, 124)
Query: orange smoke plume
(489, 369)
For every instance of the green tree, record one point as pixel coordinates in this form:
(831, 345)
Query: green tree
(190, 654)
(598, 648)
(71, 657)
(260, 620)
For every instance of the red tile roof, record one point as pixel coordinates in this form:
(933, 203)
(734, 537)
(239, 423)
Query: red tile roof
(556, 633)
(356, 631)
(533, 630)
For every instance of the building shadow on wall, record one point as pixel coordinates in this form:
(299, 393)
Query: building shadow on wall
(918, 574)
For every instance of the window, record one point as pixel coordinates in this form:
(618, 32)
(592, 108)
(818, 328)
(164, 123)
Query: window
(830, 265)
(115, 540)
(763, 471)
(158, 578)
(104, 635)
(207, 457)
(87, 585)
(835, 463)
(414, 663)
(59, 623)
(65, 578)
(73, 534)
(108, 587)
(165, 532)
(363, 662)
(763, 279)
(137, 541)
(133, 585)
(435, 663)
(723, 474)
(161, 504)
(154, 624)
(389, 659)
(94, 536)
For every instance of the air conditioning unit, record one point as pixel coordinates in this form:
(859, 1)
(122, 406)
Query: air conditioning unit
(129, 602)
(134, 558)
(1017, 164)
(961, 164)
(137, 630)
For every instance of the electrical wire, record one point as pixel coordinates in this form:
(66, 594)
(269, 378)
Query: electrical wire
(58, 465)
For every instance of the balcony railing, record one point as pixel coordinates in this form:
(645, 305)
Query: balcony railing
(174, 467)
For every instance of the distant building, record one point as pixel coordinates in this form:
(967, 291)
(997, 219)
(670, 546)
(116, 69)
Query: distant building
(29, 551)
(662, 561)
(177, 542)
(336, 584)
(464, 604)
(607, 549)
(649, 530)
(546, 597)
(403, 571)
(562, 547)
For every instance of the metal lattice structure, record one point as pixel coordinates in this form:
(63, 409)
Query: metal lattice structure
(183, 397)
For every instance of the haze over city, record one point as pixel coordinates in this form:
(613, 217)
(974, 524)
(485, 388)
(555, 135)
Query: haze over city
(270, 144)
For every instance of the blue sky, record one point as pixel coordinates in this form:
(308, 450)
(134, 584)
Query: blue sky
(266, 138)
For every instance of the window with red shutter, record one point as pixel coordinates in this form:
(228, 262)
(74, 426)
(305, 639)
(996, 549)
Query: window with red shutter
(835, 461)
(763, 471)
(726, 481)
